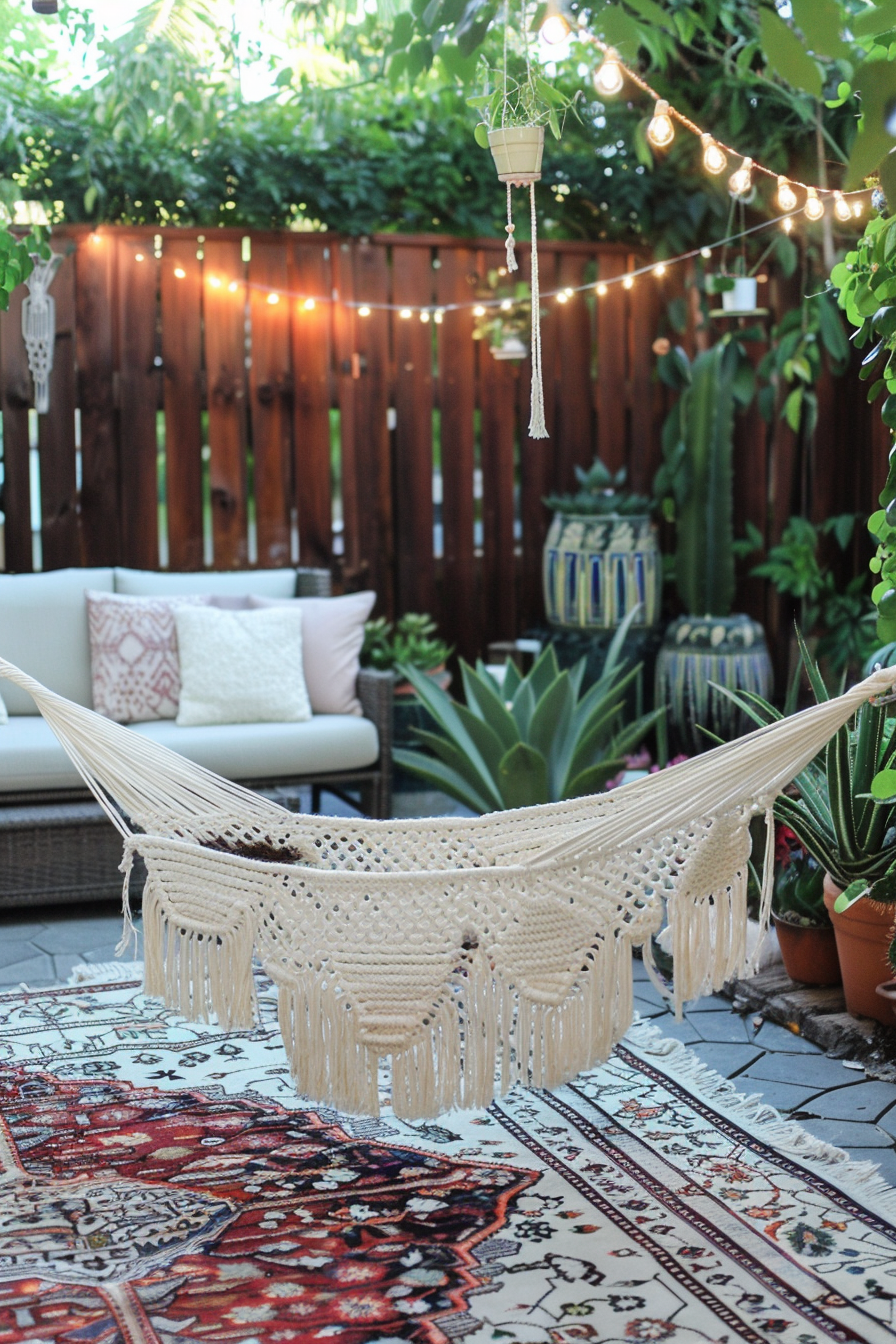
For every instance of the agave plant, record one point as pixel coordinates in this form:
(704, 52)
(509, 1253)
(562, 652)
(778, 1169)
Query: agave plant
(533, 739)
(836, 816)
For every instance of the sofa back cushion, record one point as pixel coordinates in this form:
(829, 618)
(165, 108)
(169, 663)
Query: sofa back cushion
(155, 583)
(43, 630)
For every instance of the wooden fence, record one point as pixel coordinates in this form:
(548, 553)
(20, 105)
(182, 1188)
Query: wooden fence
(204, 412)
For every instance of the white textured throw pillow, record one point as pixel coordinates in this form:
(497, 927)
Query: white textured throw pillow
(241, 666)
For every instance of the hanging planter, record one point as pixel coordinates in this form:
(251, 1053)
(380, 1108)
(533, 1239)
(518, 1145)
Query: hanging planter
(515, 112)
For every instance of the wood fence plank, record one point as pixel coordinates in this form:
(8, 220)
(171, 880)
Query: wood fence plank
(612, 373)
(372, 450)
(309, 275)
(457, 401)
(498, 402)
(645, 303)
(16, 399)
(138, 386)
(574, 430)
(224, 308)
(348, 372)
(95, 277)
(60, 532)
(182, 382)
(270, 402)
(412, 283)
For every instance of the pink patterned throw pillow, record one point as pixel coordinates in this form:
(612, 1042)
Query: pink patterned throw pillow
(134, 667)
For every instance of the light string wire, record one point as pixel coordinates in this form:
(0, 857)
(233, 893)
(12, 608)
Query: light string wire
(610, 53)
(435, 310)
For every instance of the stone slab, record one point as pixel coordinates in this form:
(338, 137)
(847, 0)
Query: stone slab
(30, 970)
(849, 1134)
(865, 1101)
(718, 1026)
(728, 1060)
(783, 1096)
(772, 1036)
(806, 1070)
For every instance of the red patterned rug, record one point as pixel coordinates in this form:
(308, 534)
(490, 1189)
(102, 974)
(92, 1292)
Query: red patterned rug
(161, 1183)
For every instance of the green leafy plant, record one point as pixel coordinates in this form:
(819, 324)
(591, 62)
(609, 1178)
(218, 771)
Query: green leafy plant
(808, 337)
(524, 98)
(697, 472)
(843, 616)
(16, 260)
(798, 894)
(600, 493)
(842, 815)
(412, 641)
(534, 739)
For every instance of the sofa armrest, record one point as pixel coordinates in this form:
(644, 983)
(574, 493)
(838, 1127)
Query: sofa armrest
(313, 582)
(375, 691)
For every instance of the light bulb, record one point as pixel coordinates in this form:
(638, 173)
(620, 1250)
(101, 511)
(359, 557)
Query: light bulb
(627, 281)
(569, 291)
(478, 311)
(786, 195)
(608, 77)
(661, 132)
(273, 298)
(740, 183)
(601, 290)
(706, 253)
(308, 305)
(506, 305)
(214, 281)
(180, 272)
(138, 256)
(841, 207)
(857, 208)
(438, 317)
(814, 208)
(556, 27)
(363, 311)
(714, 160)
(563, 297)
(787, 225)
(659, 268)
(405, 313)
(424, 315)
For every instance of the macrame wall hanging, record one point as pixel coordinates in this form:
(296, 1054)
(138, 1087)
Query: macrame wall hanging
(517, 144)
(39, 327)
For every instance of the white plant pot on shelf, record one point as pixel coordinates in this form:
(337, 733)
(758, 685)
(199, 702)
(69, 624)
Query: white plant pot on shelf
(742, 298)
(510, 348)
(517, 152)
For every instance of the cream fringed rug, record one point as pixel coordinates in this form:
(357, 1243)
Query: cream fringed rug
(469, 954)
(161, 1182)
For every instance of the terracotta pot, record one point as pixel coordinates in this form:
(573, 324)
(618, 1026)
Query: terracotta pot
(809, 952)
(887, 991)
(403, 690)
(863, 933)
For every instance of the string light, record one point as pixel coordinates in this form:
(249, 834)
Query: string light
(814, 208)
(363, 311)
(214, 281)
(273, 299)
(438, 317)
(740, 183)
(787, 225)
(857, 208)
(309, 305)
(478, 311)
(424, 315)
(138, 256)
(563, 297)
(627, 281)
(786, 195)
(506, 305)
(569, 291)
(608, 77)
(661, 132)
(714, 160)
(180, 272)
(659, 268)
(233, 287)
(556, 26)
(706, 253)
(601, 290)
(841, 207)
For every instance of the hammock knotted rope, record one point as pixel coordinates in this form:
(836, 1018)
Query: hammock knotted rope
(473, 953)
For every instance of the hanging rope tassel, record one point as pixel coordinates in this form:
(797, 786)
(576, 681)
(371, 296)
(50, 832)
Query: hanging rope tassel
(537, 427)
(768, 887)
(511, 251)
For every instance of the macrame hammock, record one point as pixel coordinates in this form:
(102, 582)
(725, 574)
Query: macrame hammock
(471, 953)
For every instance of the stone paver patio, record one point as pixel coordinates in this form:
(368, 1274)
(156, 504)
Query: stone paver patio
(831, 1098)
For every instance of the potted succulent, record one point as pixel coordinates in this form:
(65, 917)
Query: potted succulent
(805, 933)
(533, 739)
(852, 836)
(709, 647)
(412, 641)
(601, 558)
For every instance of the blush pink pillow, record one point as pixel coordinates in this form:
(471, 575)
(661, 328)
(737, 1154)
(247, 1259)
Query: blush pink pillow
(134, 667)
(332, 635)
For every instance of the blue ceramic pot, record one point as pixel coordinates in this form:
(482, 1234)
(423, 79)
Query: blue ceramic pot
(728, 650)
(595, 570)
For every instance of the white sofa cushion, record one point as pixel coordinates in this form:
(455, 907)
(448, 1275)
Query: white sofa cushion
(332, 638)
(43, 630)
(160, 583)
(32, 759)
(240, 666)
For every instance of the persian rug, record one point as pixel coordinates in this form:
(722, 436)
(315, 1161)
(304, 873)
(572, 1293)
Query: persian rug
(161, 1182)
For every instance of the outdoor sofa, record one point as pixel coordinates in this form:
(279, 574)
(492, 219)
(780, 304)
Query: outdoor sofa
(55, 842)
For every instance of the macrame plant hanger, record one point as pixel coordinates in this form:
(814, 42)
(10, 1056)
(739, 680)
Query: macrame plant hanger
(39, 327)
(518, 160)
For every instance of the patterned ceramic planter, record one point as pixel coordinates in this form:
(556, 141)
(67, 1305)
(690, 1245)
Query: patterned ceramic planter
(596, 569)
(727, 650)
